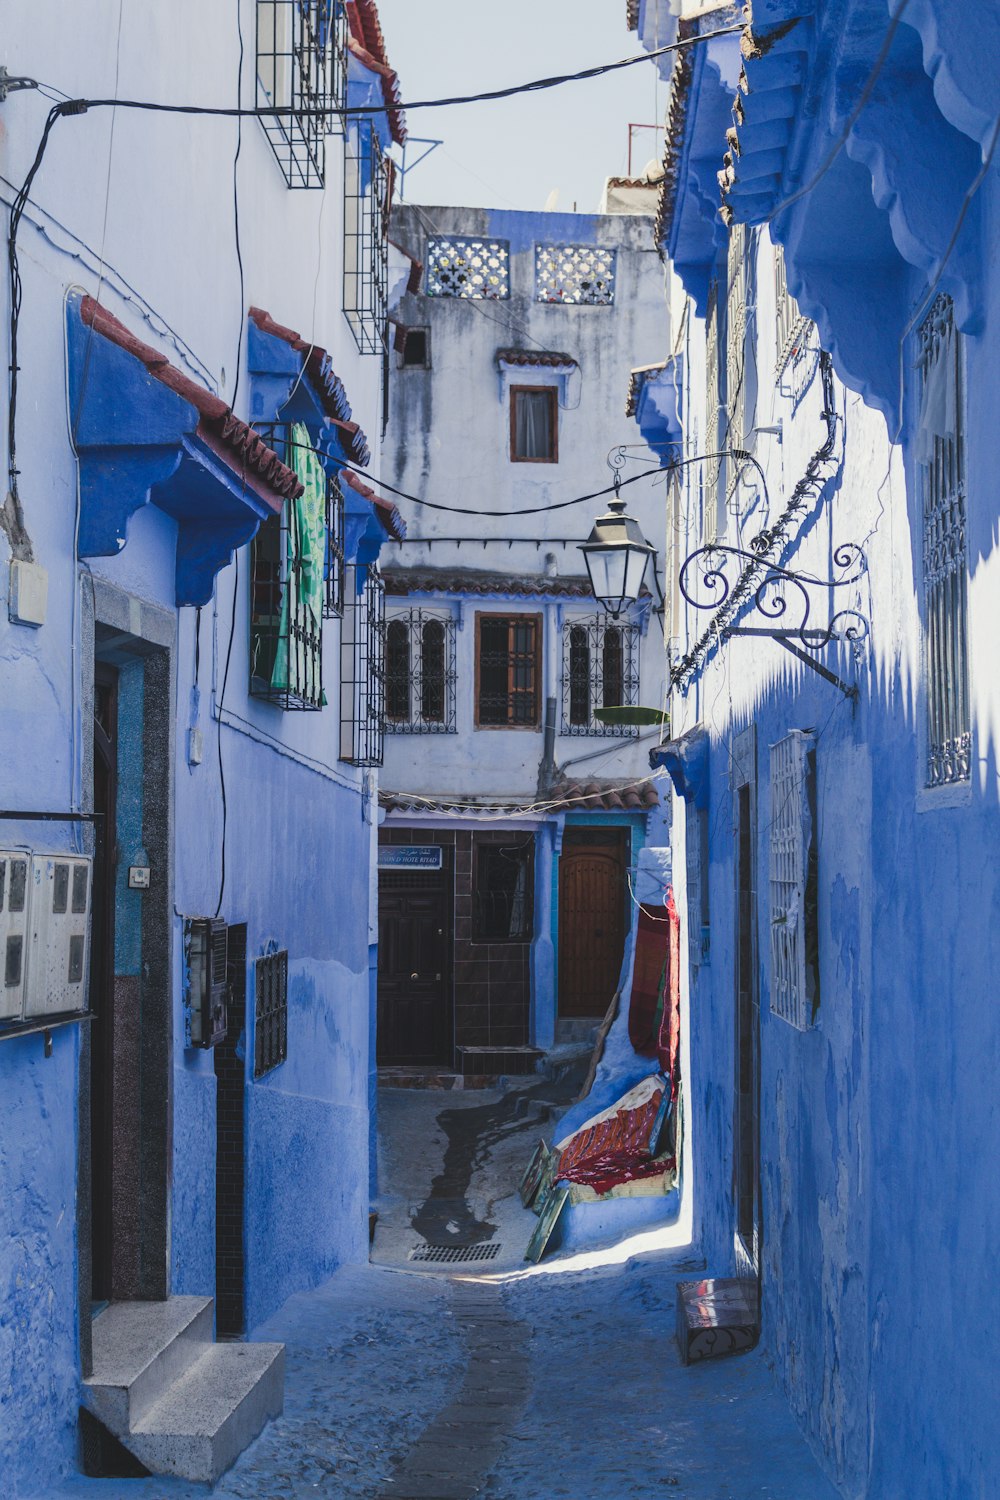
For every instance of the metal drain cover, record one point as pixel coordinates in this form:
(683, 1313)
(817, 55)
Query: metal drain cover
(452, 1253)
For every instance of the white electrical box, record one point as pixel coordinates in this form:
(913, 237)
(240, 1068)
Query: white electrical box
(45, 915)
(14, 868)
(28, 598)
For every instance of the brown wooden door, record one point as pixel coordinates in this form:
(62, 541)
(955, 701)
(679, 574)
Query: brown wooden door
(414, 982)
(592, 894)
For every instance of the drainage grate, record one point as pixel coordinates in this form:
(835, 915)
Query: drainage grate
(456, 1252)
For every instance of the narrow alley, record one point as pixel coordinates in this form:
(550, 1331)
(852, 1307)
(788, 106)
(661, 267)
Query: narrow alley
(500, 1381)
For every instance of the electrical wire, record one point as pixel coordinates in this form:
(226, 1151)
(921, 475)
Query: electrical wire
(497, 812)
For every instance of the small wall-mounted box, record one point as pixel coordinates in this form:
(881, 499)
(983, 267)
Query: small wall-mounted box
(45, 904)
(28, 597)
(138, 877)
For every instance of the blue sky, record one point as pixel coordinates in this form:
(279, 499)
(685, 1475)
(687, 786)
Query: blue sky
(512, 153)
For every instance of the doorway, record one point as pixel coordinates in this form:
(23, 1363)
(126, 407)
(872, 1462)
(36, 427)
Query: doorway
(746, 1107)
(123, 1216)
(593, 894)
(414, 969)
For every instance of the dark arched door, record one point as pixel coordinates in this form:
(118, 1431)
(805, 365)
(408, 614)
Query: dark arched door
(592, 897)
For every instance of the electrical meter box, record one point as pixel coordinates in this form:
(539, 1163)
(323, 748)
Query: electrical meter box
(14, 933)
(45, 904)
(208, 981)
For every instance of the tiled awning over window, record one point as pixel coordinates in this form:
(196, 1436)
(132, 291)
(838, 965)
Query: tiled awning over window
(145, 432)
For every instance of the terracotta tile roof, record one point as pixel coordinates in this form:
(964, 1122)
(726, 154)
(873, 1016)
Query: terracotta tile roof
(421, 580)
(232, 440)
(636, 380)
(680, 87)
(605, 796)
(367, 43)
(547, 357)
(328, 386)
(388, 513)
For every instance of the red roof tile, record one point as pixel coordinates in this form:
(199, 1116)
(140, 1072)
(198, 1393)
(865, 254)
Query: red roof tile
(367, 43)
(547, 357)
(421, 580)
(388, 513)
(606, 796)
(329, 386)
(232, 440)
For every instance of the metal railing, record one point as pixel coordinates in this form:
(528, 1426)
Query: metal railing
(302, 73)
(362, 667)
(368, 187)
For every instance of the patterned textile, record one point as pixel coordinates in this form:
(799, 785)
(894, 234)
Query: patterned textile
(668, 1049)
(614, 1147)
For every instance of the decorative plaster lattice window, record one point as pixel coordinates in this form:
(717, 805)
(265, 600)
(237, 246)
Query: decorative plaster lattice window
(461, 266)
(270, 1013)
(600, 670)
(940, 453)
(420, 673)
(580, 275)
(362, 667)
(794, 882)
(301, 72)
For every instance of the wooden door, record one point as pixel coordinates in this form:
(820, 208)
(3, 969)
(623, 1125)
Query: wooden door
(414, 980)
(592, 897)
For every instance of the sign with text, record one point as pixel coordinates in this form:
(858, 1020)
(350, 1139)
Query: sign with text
(410, 857)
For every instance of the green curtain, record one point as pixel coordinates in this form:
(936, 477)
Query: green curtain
(296, 664)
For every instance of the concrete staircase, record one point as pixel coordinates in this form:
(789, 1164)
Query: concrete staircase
(179, 1402)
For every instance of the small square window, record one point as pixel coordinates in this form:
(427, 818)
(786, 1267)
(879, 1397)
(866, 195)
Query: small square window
(416, 350)
(534, 424)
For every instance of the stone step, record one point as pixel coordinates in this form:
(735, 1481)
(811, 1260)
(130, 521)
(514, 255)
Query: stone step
(211, 1413)
(140, 1349)
(715, 1317)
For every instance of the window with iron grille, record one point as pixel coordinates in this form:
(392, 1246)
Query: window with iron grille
(736, 339)
(715, 412)
(368, 188)
(940, 453)
(270, 1032)
(334, 561)
(420, 673)
(791, 330)
(362, 667)
(794, 881)
(696, 865)
(600, 669)
(462, 266)
(502, 896)
(580, 275)
(508, 670)
(286, 632)
(301, 75)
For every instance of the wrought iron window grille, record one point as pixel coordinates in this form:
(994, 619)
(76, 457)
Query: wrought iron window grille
(576, 275)
(600, 669)
(335, 563)
(780, 596)
(302, 73)
(792, 329)
(941, 457)
(286, 632)
(368, 187)
(270, 1032)
(464, 266)
(508, 671)
(420, 673)
(362, 667)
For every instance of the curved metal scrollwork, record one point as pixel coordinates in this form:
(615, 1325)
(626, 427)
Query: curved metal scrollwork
(781, 597)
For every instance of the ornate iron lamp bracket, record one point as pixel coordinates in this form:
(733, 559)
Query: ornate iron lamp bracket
(779, 595)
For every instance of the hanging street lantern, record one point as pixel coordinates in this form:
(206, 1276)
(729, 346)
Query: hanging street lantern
(616, 554)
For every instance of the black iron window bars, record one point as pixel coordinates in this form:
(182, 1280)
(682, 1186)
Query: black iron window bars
(362, 667)
(270, 1012)
(600, 670)
(368, 187)
(302, 74)
(287, 602)
(420, 674)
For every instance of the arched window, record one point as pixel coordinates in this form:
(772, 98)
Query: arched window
(579, 676)
(613, 668)
(432, 696)
(397, 671)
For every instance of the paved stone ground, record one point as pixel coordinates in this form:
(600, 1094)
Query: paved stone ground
(560, 1383)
